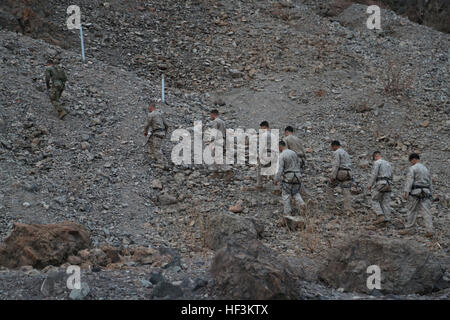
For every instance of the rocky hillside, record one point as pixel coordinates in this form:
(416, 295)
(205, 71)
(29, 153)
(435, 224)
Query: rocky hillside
(330, 78)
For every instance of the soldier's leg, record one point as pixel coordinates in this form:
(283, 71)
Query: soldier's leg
(55, 94)
(301, 205)
(425, 209)
(151, 147)
(331, 200)
(412, 212)
(303, 192)
(286, 197)
(54, 98)
(347, 199)
(213, 166)
(386, 205)
(376, 203)
(376, 207)
(258, 176)
(160, 158)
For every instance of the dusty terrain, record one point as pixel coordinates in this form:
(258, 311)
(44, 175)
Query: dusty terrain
(254, 61)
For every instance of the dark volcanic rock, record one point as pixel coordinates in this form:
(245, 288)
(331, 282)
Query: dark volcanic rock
(405, 266)
(252, 272)
(165, 289)
(225, 227)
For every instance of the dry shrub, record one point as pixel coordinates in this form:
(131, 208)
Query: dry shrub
(281, 10)
(397, 80)
(319, 93)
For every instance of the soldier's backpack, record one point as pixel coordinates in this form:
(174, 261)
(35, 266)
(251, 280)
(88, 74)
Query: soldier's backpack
(60, 75)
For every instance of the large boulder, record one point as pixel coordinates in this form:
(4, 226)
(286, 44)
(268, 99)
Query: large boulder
(42, 245)
(253, 271)
(225, 227)
(406, 267)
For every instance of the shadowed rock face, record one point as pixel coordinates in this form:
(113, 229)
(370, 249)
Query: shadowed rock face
(406, 267)
(253, 271)
(225, 227)
(432, 13)
(42, 245)
(32, 18)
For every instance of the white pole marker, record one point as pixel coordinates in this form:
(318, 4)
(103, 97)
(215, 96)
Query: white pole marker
(74, 22)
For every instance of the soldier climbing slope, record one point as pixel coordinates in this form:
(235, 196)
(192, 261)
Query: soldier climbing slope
(267, 155)
(158, 127)
(294, 143)
(380, 184)
(340, 176)
(55, 79)
(289, 175)
(218, 140)
(420, 189)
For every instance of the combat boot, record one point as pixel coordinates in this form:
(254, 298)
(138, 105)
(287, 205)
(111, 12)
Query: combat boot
(406, 232)
(380, 220)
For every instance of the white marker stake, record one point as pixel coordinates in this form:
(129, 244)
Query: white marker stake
(162, 89)
(82, 43)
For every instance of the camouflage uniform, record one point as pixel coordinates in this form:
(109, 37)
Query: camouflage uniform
(267, 159)
(342, 177)
(218, 140)
(420, 188)
(57, 77)
(380, 183)
(295, 144)
(289, 175)
(158, 125)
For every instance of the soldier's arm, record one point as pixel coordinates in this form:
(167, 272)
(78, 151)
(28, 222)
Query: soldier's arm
(147, 125)
(409, 181)
(336, 162)
(280, 169)
(302, 153)
(166, 125)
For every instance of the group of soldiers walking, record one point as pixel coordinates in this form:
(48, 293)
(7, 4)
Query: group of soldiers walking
(291, 160)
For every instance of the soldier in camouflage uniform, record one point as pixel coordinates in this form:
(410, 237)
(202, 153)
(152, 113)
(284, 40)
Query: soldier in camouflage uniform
(289, 175)
(420, 189)
(380, 184)
(55, 79)
(218, 140)
(158, 127)
(341, 176)
(267, 161)
(295, 144)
